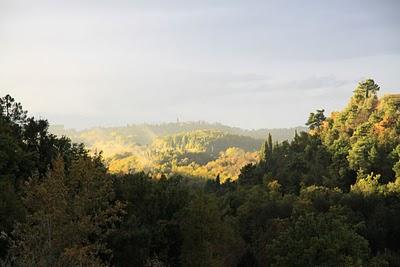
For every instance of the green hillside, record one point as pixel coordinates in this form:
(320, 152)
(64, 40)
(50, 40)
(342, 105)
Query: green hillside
(189, 153)
(185, 148)
(206, 141)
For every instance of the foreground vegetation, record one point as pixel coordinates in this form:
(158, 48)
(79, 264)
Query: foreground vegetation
(329, 197)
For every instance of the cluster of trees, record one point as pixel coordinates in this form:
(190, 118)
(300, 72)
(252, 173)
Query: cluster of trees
(57, 204)
(198, 154)
(227, 166)
(198, 165)
(329, 197)
(208, 141)
(347, 163)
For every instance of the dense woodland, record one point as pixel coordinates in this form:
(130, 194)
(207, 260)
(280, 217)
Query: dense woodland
(329, 197)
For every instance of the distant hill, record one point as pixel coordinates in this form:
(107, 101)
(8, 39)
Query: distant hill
(190, 148)
(144, 134)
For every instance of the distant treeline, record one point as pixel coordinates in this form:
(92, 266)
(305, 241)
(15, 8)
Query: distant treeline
(144, 134)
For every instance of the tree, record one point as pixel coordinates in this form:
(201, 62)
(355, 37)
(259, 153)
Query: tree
(315, 120)
(26, 149)
(366, 89)
(266, 148)
(270, 144)
(367, 184)
(324, 239)
(396, 155)
(12, 110)
(362, 154)
(207, 239)
(150, 231)
(250, 174)
(69, 217)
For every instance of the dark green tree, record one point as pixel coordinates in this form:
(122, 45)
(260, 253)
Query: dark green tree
(319, 240)
(366, 89)
(208, 240)
(315, 120)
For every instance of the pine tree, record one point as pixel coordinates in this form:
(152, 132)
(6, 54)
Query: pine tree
(315, 120)
(270, 144)
(366, 89)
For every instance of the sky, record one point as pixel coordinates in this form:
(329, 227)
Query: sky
(252, 64)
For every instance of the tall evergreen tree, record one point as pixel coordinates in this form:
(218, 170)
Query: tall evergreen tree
(366, 89)
(315, 120)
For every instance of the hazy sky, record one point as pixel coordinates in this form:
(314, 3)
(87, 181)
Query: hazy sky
(244, 63)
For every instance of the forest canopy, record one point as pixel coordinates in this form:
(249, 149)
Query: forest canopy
(330, 196)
